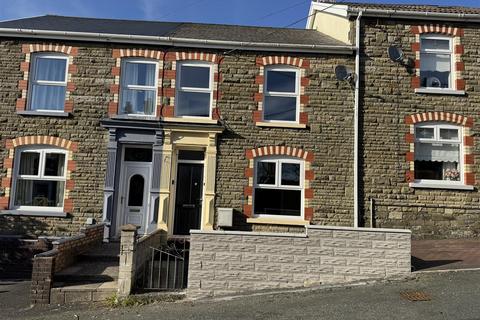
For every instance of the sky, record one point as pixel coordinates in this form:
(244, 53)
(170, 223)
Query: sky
(275, 13)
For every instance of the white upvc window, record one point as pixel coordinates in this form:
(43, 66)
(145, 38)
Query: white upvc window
(138, 95)
(281, 94)
(438, 154)
(194, 94)
(436, 62)
(48, 82)
(39, 179)
(278, 187)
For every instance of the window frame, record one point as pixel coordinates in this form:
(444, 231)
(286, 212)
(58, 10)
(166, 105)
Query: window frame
(296, 94)
(179, 88)
(32, 81)
(279, 160)
(436, 139)
(40, 176)
(450, 51)
(123, 86)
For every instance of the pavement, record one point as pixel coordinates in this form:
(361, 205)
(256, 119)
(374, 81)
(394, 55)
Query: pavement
(447, 295)
(431, 255)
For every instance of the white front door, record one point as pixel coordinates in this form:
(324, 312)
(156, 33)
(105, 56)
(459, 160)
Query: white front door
(135, 189)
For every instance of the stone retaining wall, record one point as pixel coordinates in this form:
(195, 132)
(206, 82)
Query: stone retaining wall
(224, 263)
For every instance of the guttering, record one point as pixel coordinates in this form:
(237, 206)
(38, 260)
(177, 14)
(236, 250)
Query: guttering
(175, 41)
(417, 15)
(356, 176)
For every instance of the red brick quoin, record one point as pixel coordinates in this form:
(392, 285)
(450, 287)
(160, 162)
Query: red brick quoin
(308, 157)
(11, 144)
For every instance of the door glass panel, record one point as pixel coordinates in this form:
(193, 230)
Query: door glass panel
(191, 155)
(135, 195)
(138, 154)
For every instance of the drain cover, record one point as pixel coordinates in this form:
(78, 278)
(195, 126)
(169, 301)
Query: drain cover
(415, 296)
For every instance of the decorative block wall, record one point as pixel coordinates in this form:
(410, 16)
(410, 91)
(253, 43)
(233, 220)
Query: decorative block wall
(232, 262)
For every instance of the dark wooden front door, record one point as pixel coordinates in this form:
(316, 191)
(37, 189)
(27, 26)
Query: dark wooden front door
(188, 198)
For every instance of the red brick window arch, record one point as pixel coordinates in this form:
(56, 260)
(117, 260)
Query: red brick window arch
(440, 150)
(41, 73)
(438, 53)
(280, 175)
(281, 81)
(39, 175)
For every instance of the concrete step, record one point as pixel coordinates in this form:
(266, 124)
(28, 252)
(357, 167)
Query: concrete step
(88, 292)
(89, 272)
(105, 252)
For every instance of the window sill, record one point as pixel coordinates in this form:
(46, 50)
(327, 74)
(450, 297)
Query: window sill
(191, 120)
(281, 125)
(134, 117)
(44, 113)
(440, 186)
(34, 213)
(285, 221)
(440, 91)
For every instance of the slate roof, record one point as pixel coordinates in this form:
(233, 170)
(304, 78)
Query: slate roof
(413, 7)
(174, 29)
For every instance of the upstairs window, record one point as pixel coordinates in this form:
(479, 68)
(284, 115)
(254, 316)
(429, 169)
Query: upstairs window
(194, 90)
(39, 178)
(138, 95)
(48, 82)
(436, 62)
(438, 149)
(281, 94)
(278, 187)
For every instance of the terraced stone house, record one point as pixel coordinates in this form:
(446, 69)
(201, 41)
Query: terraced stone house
(177, 125)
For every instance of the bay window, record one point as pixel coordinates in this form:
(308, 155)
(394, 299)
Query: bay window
(278, 187)
(48, 82)
(438, 153)
(194, 90)
(436, 62)
(281, 94)
(138, 94)
(39, 178)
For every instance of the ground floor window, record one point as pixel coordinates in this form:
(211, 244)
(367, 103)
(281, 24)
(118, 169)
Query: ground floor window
(278, 186)
(39, 178)
(438, 149)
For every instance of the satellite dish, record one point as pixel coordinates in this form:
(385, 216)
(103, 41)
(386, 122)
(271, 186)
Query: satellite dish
(342, 73)
(395, 53)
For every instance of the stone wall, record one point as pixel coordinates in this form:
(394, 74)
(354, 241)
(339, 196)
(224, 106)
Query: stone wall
(225, 263)
(91, 97)
(328, 137)
(387, 98)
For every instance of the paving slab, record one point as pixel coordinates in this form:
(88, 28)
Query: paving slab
(431, 255)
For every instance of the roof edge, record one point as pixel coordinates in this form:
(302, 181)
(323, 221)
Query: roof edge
(175, 41)
(416, 15)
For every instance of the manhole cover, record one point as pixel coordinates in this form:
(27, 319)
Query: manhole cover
(415, 295)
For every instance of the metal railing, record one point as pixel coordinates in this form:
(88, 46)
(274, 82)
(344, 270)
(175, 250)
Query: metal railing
(167, 267)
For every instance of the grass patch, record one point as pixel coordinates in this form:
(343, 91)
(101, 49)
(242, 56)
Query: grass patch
(140, 300)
